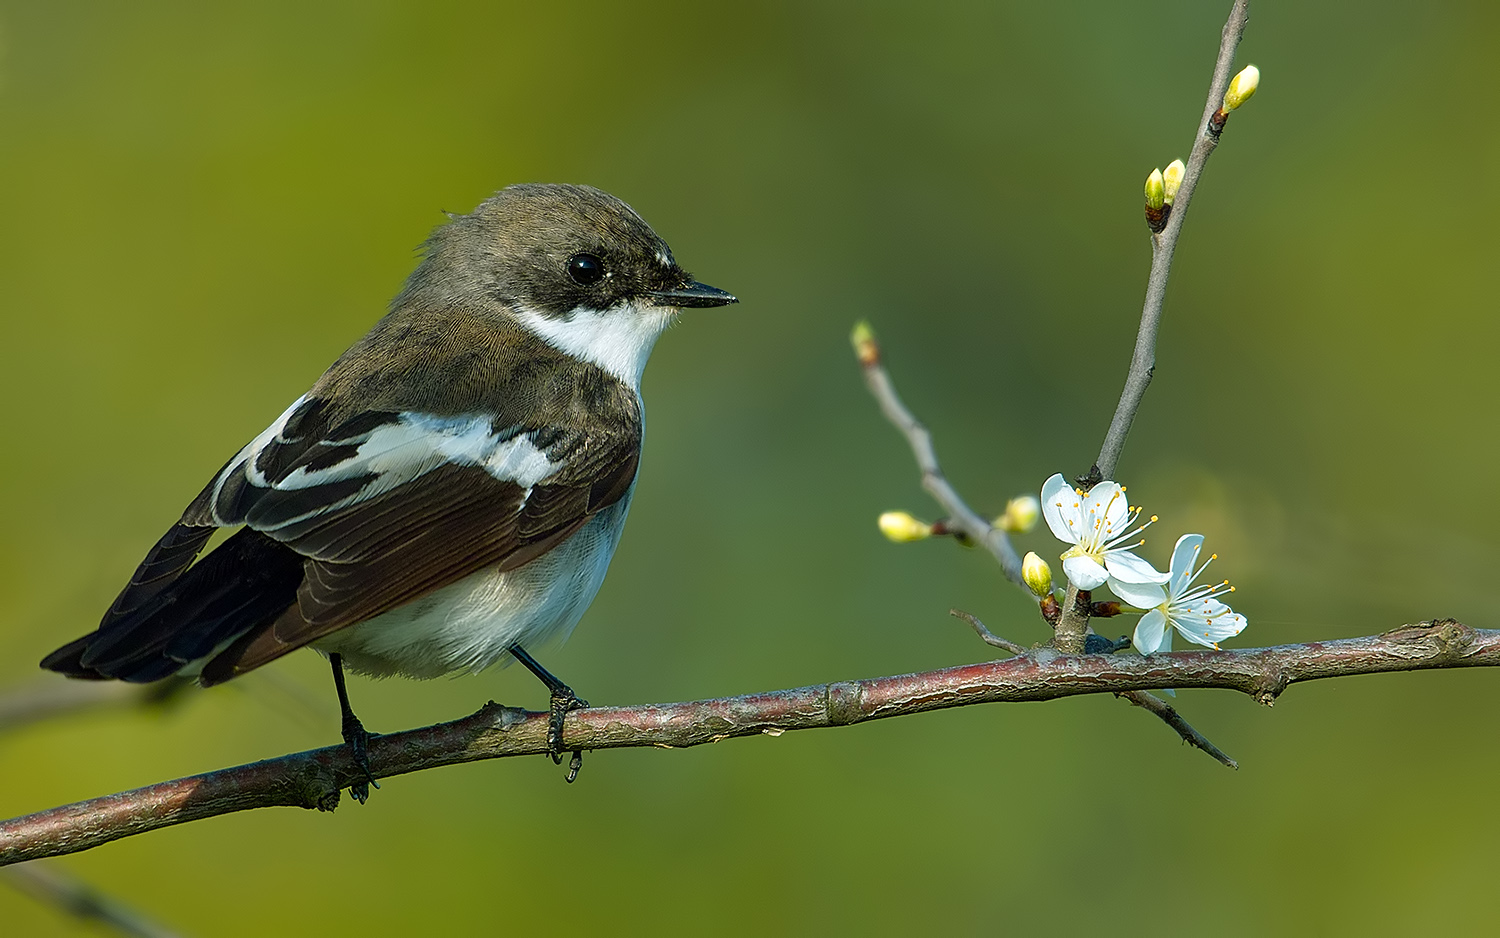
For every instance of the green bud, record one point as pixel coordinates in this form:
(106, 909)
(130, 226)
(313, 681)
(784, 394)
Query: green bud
(901, 528)
(863, 340)
(1037, 574)
(1172, 180)
(1241, 87)
(1156, 190)
(1020, 515)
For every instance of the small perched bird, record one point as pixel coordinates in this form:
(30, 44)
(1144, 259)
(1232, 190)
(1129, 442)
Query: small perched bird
(450, 490)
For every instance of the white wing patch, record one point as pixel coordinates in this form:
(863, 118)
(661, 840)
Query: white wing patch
(402, 451)
(244, 461)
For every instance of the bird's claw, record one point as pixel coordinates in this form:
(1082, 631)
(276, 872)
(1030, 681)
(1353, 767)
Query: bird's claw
(564, 701)
(357, 738)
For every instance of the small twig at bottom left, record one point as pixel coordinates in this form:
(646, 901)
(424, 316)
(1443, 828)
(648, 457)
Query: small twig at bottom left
(49, 885)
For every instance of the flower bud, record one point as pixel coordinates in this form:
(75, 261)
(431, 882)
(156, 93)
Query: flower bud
(865, 347)
(1037, 574)
(1156, 190)
(901, 528)
(1171, 178)
(1157, 208)
(1241, 87)
(1020, 515)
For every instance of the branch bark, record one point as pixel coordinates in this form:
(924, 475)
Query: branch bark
(313, 779)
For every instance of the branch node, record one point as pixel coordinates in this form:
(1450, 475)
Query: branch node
(845, 703)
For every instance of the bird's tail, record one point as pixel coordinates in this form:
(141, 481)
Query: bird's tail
(172, 616)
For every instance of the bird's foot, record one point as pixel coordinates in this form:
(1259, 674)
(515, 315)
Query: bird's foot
(357, 738)
(564, 701)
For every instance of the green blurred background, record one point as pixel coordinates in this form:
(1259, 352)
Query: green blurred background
(202, 206)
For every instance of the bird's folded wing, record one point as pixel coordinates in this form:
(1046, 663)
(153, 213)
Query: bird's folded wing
(387, 507)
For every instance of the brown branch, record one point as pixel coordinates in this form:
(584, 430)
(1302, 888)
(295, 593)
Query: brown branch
(1140, 698)
(313, 779)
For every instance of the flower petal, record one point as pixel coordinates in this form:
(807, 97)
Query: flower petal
(1184, 559)
(1208, 622)
(1084, 572)
(1061, 508)
(1150, 631)
(1139, 595)
(1128, 568)
(1110, 509)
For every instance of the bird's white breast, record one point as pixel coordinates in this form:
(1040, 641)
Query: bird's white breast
(469, 625)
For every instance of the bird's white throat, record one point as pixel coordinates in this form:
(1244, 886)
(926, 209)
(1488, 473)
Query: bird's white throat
(618, 340)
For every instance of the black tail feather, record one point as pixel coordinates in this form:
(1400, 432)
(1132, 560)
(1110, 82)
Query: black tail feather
(238, 588)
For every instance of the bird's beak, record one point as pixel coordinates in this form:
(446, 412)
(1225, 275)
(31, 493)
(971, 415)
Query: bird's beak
(693, 295)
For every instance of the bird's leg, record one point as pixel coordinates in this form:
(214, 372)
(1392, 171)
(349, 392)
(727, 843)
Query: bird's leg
(356, 737)
(563, 701)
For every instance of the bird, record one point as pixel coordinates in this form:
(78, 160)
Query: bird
(449, 492)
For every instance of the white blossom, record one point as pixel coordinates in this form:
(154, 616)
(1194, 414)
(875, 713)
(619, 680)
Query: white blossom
(1096, 524)
(1192, 610)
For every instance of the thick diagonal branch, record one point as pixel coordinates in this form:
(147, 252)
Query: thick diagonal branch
(313, 779)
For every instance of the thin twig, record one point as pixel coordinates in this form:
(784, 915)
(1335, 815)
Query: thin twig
(313, 779)
(51, 886)
(990, 638)
(960, 516)
(47, 699)
(1143, 360)
(1172, 718)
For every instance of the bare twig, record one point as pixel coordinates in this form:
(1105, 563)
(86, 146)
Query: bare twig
(1143, 360)
(1172, 718)
(990, 638)
(313, 779)
(51, 886)
(961, 517)
(46, 699)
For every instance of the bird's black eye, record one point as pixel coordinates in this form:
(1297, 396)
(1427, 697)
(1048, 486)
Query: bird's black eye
(585, 269)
